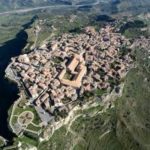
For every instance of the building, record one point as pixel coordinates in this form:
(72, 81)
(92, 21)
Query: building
(76, 69)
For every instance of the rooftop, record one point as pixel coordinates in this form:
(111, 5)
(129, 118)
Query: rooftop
(77, 69)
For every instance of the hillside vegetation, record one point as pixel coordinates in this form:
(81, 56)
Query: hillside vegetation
(133, 112)
(93, 129)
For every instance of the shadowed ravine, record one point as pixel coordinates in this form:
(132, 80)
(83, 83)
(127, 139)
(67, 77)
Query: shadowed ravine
(9, 90)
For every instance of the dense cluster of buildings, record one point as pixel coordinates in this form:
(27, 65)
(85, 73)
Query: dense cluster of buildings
(71, 65)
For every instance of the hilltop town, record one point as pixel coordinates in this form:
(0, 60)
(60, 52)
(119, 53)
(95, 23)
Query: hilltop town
(75, 76)
(63, 70)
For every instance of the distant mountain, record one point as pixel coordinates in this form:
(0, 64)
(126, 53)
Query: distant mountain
(109, 5)
(17, 4)
(125, 5)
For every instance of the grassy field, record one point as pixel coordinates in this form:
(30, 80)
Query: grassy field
(19, 110)
(34, 125)
(10, 25)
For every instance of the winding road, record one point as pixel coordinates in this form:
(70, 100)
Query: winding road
(30, 9)
(47, 7)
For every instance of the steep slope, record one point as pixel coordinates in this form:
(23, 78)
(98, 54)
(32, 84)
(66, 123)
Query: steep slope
(133, 125)
(93, 129)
